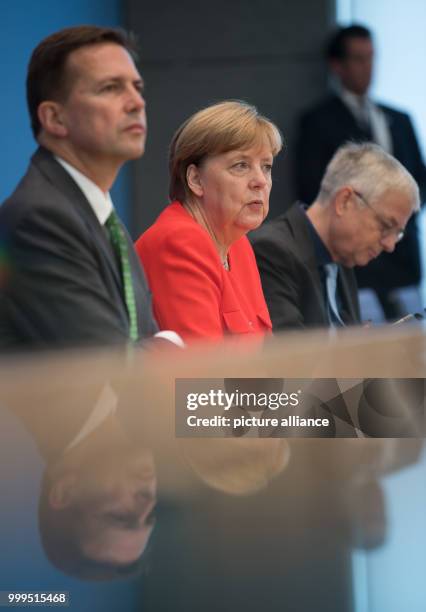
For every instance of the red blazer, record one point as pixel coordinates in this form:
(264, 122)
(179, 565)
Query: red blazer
(193, 294)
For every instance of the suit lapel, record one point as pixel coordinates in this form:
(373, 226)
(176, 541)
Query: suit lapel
(395, 134)
(347, 123)
(303, 240)
(349, 292)
(305, 250)
(348, 315)
(60, 178)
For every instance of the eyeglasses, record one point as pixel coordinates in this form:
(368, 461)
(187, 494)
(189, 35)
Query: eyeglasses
(386, 227)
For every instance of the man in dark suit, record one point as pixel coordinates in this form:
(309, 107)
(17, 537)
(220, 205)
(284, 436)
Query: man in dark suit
(304, 256)
(349, 114)
(70, 275)
(98, 490)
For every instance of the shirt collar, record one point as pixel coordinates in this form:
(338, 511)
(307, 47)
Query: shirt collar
(105, 406)
(354, 102)
(99, 201)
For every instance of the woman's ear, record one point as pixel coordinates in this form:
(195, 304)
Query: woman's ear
(51, 118)
(193, 180)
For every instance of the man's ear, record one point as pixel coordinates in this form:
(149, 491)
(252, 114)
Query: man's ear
(193, 180)
(50, 116)
(62, 491)
(341, 200)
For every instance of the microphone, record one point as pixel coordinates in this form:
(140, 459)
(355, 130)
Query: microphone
(415, 316)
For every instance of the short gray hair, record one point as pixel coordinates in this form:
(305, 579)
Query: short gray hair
(368, 169)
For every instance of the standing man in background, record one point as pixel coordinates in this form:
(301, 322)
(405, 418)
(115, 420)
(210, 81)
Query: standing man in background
(69, 274)
(350, 114)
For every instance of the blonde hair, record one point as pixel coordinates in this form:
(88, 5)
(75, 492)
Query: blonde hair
(237, 466)
(219, 128)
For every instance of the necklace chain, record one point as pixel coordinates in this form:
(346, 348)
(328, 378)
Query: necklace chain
(189, 208)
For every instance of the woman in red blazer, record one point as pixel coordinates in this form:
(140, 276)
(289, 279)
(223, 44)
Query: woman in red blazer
(199, 263)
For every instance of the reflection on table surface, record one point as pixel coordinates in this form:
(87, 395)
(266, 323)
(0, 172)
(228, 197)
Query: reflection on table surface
(100, 499)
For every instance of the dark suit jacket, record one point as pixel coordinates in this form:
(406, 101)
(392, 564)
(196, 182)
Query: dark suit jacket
(61, 283)
(323, 129)
(290, 276)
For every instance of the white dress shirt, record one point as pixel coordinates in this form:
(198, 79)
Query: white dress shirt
(99, 201)
(102, 206)
(365, 111)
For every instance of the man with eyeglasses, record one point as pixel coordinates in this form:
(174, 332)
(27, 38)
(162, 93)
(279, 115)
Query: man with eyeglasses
(306, 256)
(349, 113)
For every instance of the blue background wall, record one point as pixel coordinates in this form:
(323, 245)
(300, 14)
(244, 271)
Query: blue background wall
(23, 564)
(23, 24)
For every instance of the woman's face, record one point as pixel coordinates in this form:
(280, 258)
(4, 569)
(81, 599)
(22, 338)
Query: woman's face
(233, 189)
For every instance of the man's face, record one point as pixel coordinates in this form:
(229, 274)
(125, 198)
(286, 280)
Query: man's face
(117, 495)
(356, 68)
(364, 231)
(104, 113)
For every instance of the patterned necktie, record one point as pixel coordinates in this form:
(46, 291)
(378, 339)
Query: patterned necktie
(331, 271)
(119, 242)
